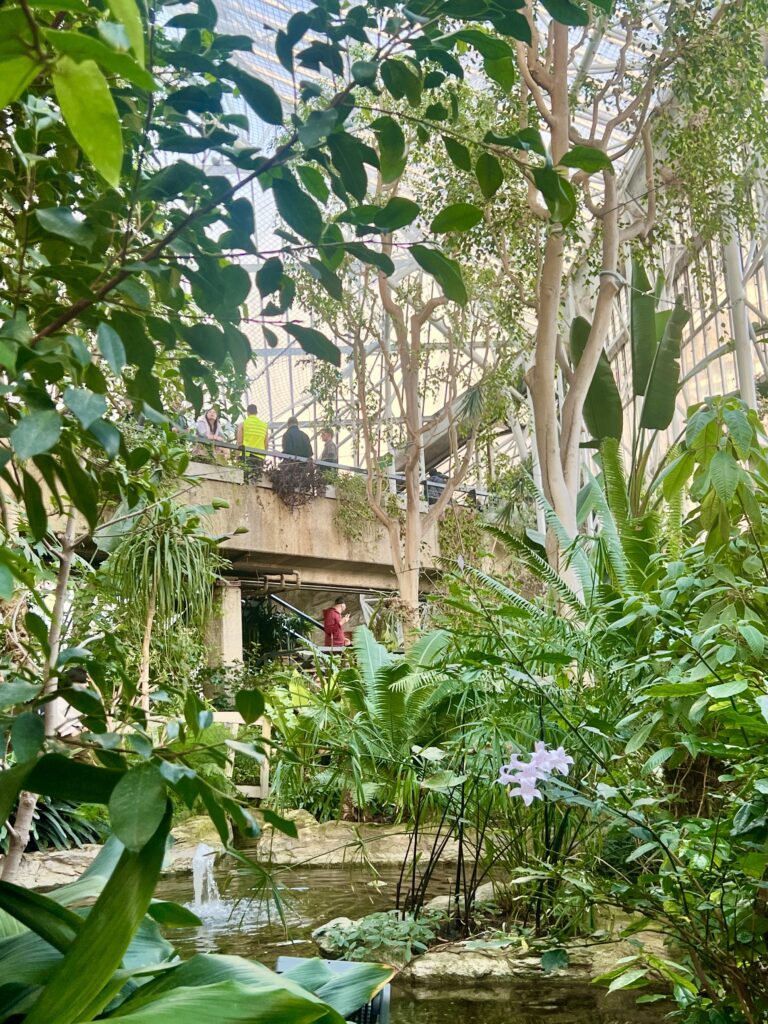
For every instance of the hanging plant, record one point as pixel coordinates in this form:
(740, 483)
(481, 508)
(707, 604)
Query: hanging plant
(296, 483)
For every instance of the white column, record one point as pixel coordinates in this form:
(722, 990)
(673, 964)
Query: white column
(225, 632)
(734, 285)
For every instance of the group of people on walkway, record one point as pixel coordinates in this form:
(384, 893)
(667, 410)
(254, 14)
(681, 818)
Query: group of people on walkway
(253, 433)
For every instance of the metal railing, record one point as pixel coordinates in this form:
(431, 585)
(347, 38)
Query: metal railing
(430, 486)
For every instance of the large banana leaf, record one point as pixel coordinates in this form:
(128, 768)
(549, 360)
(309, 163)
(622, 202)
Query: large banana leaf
(231, 1002)
(79, 986)
(603, 412)
(663, 383)
(642, 315)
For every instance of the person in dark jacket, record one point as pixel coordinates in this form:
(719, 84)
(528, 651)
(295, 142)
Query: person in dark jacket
(295, 441)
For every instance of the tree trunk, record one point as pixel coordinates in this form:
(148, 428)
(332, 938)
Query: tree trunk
(145, 650)
(19, 836)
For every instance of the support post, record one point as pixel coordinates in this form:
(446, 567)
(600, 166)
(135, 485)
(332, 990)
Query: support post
(225, 632)
(737, 300)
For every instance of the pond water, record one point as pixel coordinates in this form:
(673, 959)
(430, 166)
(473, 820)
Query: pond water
(263, 918)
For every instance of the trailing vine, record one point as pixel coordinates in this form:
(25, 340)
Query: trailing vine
(296, 483)
(461, 534)
(352, 515)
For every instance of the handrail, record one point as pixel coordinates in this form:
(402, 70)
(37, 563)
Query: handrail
(271, 453)
(296, 611)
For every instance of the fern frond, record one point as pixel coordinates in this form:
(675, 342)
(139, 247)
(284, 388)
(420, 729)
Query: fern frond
(617, 559)
(540, 567)
(506, 594)
(572, 553)
(615, 483)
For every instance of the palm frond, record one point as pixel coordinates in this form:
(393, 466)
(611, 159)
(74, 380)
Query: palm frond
(540, 567)
(572, 552)
(617, 559)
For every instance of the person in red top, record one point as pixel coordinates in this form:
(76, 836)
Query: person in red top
(333, 623)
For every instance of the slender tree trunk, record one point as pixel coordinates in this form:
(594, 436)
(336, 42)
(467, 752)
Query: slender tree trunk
(145, 650)
(25, 811)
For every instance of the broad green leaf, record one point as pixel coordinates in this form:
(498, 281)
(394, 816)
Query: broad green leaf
(527, 140)
(79, 986)
(490, 176)
(445, 271)
(503, 70)
(636, 741)
(642, 310)
(762, 703)
(62, 778)
(269, 275)
(740, 430)
(557, 192)
(392, 158)
(348, 156)
(554, 960)
(27, 735)
(603, 411)
(566, 12)
(315, 343)
(17, 691)
(364, 72)
(458, 153)
(725, 475)
(401, 81)
(40, 914)
(297, 209)
(260, 97)
(86, 405)
(635, 978)
(457, 217)
(586, 158)
(657, 758)
(36, 433)
(661, 392)
(127, 13)
(398, 213)
(137, 806)
(81, 47)
(111, 347)
(754, 638)
(172, 915)
(250, 704)
(59, 220)
(729, 689)
(16, 75)
(89, 110)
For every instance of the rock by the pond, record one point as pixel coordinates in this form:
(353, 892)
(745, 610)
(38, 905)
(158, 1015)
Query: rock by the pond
(486, 893)
(509, 974)
(343, 842)
(319, 935)
(48, 868)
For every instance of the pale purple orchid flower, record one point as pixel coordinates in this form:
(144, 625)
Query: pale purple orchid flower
(523, 776)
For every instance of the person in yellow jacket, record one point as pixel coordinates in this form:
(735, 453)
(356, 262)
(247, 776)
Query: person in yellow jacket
(252, 433)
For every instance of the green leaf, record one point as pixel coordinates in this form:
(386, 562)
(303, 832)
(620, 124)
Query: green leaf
(629, 979)
(315, 343)
(103, 939)
(762, 703)
(392, 158)
(754, 638)
(347, 155)
(657, 759)
(397, 213)
(401, 81)
(740, 430)
(586, 158)
(642, 306)
(603, 411)
(458, 153)
(457, 217)
(86, 405)
(554, 960)
(725, 474)
(557, 192)
(89, 110)
(36, 433)
(111, 347)
(269, 276)
(445, 271)
(17, 74)
(661, 392)
(172, 915)
(27, 735)
(127, 13)
(566, 12)
(314, 182)
(137, 806)
(364, 72)
(297, 209)
(81, 47)
(17, 692)
(502, 70)
(729, 689)
(59, 220)
(41, 915)
(490, 176)
(260, 97)
(638, 739)
(250, 704)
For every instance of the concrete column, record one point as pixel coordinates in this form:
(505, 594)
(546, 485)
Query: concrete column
(734, 284)
(225, 631)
